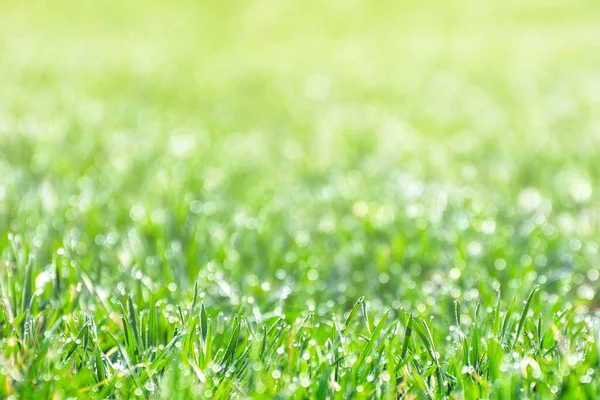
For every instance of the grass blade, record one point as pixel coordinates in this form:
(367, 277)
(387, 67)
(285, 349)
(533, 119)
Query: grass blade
(28, 285)
(352, 314)
(524, 314)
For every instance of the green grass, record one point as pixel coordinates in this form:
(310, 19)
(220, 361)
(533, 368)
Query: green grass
(343, 199)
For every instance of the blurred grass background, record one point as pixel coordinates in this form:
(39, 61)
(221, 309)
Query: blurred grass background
(503, 85)
(119, 115)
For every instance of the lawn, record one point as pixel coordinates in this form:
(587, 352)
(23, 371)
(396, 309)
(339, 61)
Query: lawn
(285, 199)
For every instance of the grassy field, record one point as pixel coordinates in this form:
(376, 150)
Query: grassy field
(285, 199)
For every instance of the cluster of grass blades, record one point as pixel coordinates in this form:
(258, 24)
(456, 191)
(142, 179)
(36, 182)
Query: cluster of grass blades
(142, 346)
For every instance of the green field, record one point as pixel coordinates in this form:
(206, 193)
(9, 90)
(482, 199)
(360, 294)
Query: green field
(285, 199)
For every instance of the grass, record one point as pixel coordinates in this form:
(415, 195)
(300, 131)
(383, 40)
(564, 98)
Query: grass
(299, 200)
